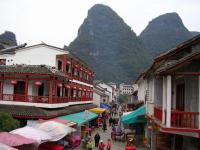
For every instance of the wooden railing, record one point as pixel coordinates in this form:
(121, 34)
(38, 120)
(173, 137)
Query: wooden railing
(184, 119)
(158, 113)
(39, 99)
(180, 119)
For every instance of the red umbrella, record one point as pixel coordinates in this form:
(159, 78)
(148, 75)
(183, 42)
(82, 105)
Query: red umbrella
(11, 139)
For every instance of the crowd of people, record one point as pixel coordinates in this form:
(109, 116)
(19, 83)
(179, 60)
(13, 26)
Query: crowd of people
(98, 143)
(101, 123)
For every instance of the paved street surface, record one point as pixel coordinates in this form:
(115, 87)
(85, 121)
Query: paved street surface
(116, 145)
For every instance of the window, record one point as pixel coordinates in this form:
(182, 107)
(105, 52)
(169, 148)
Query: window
(2, 61)
(74, 71)
(59, 65)
(74, 93)
(68, 68)
(79, 93)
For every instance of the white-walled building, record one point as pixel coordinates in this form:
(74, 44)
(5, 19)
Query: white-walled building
(126, 89)
(43, 76)
(171, 91)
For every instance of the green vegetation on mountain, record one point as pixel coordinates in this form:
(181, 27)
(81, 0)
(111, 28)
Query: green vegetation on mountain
(110, 46)
(164, 32)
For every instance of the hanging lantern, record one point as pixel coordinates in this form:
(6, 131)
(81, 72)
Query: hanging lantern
(67, 86)
(38, 83)
(85, 90)
(59, 85)
(74, 88)
(80, 89)
(88, 90)
(81, 69)
(13, 82)
(76, 66)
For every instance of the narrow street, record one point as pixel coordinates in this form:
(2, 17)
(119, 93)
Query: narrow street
(116, 145)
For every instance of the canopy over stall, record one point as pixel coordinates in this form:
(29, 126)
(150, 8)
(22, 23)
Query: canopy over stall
(98, 110)
(56, 130)
(14, 139)
(6, 147)
(135, 116)
(32, 133)
(80, 118)
(105, 106)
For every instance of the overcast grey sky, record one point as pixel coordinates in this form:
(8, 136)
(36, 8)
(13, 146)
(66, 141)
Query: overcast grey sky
(56, 22)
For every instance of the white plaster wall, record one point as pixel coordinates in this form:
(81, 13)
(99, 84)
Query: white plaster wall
(191, 94)
(30, 87)
(103, 85)
(96, 98)
(141, 90)
(150, 88)
(158, 97)
(36, 55)
(8, 88)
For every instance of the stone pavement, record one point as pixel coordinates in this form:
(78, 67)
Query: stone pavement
(116, 145)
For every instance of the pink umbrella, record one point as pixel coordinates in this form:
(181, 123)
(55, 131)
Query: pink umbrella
(14, 139)
(6, 147)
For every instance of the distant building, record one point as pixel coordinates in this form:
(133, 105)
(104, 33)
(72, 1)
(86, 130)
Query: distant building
(126, 89)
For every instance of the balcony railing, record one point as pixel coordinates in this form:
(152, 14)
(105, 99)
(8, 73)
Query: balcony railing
(39, 99)
(184, 119)
(158, 113)
(180, 119)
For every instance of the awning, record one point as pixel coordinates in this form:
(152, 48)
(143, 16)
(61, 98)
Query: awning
(56, 130)
(98, 110)
(32, 133)
(65, 122)
(105, 106)
(80, 118)
(135, 116)
(6, 147)
(14, 139)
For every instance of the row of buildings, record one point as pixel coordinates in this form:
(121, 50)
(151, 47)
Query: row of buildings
(109, 92)
(170, 88)
(43, 81)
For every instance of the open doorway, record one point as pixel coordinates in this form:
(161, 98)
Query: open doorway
(41, 90)
(19, 91)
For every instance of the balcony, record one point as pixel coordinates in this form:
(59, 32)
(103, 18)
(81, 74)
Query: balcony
(179, 119)
(39, 99)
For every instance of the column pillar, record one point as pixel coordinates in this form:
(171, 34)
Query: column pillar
(164, 100)
(169, 100)
(153, 91)
(2, 86)
(50, 91)
(199, 99)
(26, 90)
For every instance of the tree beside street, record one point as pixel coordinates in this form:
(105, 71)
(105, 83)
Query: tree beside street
(7, 122)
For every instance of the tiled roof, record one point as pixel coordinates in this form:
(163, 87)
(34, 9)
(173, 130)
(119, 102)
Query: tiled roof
(13, 49)
(42, 113)
(31, 69)
(180, 46)
(171, 64)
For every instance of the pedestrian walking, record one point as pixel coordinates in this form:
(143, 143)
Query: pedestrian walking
(108, 146)
(104, 126)
(90, 144)
(96, 139)
(110, 121)
(101, 145)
